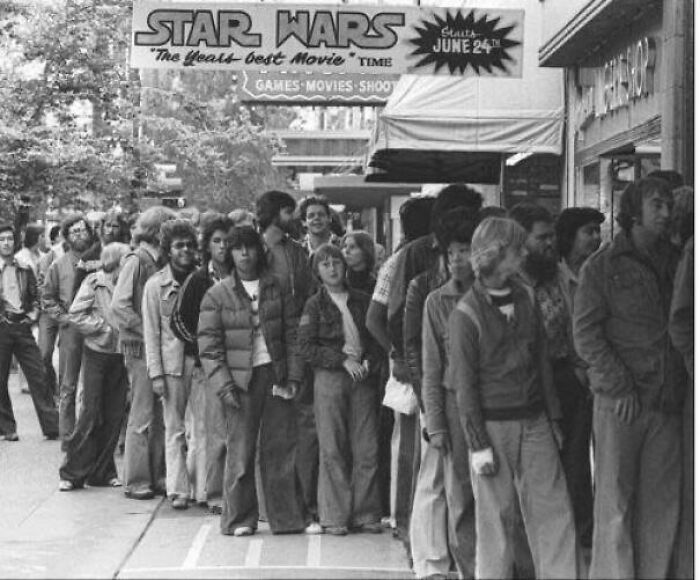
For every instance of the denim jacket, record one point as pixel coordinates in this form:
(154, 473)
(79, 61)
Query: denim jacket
(621, 312)
(165, 353)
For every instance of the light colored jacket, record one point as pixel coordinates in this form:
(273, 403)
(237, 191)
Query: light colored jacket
(59, 287)
(92, 314)
(165, 353)
(137, 267)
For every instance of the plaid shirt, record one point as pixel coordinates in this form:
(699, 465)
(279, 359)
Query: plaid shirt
(384, 279)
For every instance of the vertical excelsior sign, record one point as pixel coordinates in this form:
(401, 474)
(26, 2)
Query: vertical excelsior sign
(385, 40)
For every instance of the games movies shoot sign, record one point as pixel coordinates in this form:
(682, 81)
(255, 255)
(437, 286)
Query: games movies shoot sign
(337, 38)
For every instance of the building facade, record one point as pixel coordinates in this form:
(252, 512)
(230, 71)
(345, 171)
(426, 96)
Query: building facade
(629, 93)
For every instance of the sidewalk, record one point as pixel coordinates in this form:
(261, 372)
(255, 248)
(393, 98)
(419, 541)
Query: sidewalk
(49, 534)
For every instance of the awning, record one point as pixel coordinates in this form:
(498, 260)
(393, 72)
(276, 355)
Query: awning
(472, 119)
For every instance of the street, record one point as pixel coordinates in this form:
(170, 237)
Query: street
(98, 533)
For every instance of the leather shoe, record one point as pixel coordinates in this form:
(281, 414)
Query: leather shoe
(139, 494)
(180, 503)
(9, 437)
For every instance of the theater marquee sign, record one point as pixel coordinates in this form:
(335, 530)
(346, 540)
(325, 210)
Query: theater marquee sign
(340, 38)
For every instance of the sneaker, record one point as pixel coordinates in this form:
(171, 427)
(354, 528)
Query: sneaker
(65, 485)
(336, 530)
(180, 503)
(372, 528)
(9, 437)
(313, 529)
(243, 531)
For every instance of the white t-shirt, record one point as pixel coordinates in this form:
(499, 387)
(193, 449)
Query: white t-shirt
(353, 342)
(261, 356)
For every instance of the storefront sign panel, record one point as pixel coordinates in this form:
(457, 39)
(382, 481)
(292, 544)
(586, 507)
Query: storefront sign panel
(337, 38)
(319, 88)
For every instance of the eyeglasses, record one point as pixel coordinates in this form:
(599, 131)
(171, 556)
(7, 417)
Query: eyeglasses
(78, 231)
(183, 245)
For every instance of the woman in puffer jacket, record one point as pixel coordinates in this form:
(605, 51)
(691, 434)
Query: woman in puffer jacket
(247, 345)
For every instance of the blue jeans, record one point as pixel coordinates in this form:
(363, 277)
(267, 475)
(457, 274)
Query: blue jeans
(347, 423)
(273, 420)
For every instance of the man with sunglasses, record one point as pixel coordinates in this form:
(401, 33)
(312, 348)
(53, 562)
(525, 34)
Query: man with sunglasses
(57, 296)
(19, 308)
(170, 371)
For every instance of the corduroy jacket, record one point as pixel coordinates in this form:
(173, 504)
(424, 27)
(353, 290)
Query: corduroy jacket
(225, 333)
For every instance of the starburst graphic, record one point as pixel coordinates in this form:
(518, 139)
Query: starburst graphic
(462, 41)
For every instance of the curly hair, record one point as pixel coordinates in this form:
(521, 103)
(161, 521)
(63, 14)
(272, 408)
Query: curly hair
(269, 205)
(366, 244)
(212, 225)
(569, 222)
(313, 200)
(70, 221)
(176, 228)
(414, 214)
(492, 239)
(633, 196)
(452, 197)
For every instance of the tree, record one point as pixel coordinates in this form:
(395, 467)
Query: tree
(76, 130)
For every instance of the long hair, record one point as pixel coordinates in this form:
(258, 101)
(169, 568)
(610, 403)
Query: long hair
(569, 222)
(212, 225)
(492, 239)
(248, 237)
(633, 197)
(269, 205)
(366, 244)
(149, 222)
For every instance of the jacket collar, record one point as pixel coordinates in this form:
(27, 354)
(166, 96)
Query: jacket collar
(167, 278)
(16, 264)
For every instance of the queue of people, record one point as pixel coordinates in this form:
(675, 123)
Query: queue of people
(246, 372)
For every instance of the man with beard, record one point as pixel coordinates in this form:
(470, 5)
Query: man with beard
(57, 296)
(541, 270)
(170, 371)
(289, 264)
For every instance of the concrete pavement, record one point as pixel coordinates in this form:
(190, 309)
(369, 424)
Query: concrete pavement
(98, 533)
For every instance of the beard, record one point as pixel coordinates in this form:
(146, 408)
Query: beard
(541, 268)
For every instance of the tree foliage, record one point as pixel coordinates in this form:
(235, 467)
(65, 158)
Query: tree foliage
(78, 131)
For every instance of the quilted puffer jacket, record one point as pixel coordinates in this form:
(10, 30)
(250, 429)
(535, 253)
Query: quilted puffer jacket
(225, 334)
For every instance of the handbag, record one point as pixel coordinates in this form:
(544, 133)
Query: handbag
(400, 397)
